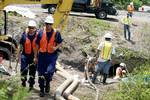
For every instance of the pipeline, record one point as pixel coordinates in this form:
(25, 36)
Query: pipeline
(69, 85)
(65, 73)
(61, 88)
(65, 90)
(67, 93)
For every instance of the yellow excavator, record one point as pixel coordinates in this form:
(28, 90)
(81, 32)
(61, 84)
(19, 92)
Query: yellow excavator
(8, 45)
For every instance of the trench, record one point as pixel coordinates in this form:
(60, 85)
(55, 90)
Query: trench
(132, 62)
(112, 70)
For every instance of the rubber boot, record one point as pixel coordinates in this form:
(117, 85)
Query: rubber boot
(31, 83)
(24, 79)
(90, 77)
(41, 93)
(47, 87)
(30, 87)
(23, 83)
(41, 85)
(104, 79)
(94, 77)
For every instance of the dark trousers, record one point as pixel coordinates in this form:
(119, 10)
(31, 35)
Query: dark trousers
(27, 65)
(127, 29)
(130, 14)
(46, 68)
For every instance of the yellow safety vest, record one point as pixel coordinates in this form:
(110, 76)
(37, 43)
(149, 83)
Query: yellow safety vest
(106, 50)
(126, 21)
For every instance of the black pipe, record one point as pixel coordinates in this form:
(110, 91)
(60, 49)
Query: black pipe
(5, 22)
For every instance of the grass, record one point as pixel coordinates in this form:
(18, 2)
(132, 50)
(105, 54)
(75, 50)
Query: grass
(1, 20)
(14, 14)
(98, 26)
(11, 90)
(136, 87)
(132, 58)
(86, 33)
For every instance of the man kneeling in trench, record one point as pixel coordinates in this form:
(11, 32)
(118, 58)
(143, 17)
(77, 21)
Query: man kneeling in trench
(89, 68)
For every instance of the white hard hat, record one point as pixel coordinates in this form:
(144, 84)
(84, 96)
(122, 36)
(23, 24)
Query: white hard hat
(108, 35)
(131, 3)
(123, 64)
(32, 23)
(49, 19)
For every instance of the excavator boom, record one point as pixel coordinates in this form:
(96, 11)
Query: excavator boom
(60, 15)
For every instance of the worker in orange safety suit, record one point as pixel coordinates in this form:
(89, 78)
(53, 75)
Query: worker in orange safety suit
(48, 42)
(27, 46)
(130, 9)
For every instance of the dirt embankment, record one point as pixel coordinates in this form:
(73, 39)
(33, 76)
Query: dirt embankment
(82, 36)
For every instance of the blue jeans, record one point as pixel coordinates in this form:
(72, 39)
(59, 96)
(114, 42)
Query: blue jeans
(104, 67)
(127, 28)
(130, 14)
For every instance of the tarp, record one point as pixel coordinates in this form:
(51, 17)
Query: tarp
(25, 12)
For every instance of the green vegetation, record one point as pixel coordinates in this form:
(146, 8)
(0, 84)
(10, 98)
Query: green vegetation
(132, 58)
(130, 53)
(11, 90)
(97, 29)
(96, 25)
(135, 87)
(1, 20)
(122, 4)
(14, 14)
(87, 34)
(146, 1)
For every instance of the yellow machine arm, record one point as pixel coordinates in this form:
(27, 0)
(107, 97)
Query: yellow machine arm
(60, 15)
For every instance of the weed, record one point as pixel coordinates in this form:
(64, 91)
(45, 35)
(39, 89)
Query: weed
(1, 20)
(135, 87)
(11, 90)
(98, 26)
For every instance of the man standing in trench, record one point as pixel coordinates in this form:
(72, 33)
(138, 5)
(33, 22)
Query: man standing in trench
(48, 42)
(103, 56)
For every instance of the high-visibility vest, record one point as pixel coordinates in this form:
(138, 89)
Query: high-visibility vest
(130, 8)
(106, 50)
(126, 21)
(45, 45)
(28, 45)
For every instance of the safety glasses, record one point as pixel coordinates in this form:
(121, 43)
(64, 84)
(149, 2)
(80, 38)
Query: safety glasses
(48, 24)
(31, 27)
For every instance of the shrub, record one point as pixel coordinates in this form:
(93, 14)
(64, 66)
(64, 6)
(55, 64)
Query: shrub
(11, 90)
(137, 4)
(136, 87)
(122, 4)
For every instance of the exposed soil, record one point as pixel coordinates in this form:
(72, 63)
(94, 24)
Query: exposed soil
(80, 40)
